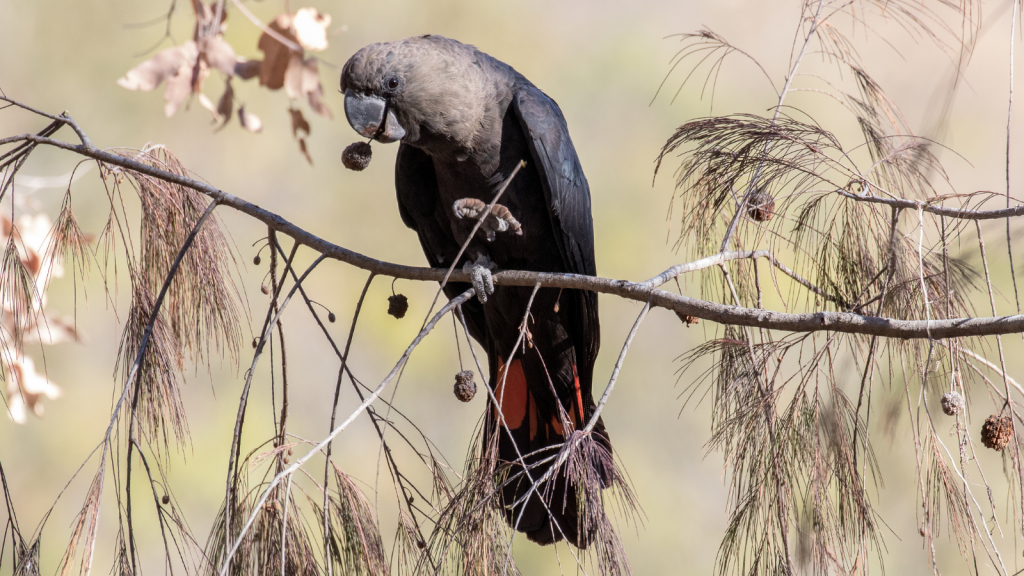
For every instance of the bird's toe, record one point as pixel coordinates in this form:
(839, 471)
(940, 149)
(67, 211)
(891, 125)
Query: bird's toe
(480, 276)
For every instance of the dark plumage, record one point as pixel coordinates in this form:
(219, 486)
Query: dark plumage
(465, 120)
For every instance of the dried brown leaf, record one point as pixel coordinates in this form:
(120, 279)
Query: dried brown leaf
(249, 121)
(218, 54)
(178, 88)
(205, 101)
(26, 388)
(189, 79)
(305, 152)
(246, 69)
(55, 330)
(226, 103)
(299, 123)
(312, 88)
(276, 55)
(205, 14)
(311, 28)
(165, 64)
(293, 77)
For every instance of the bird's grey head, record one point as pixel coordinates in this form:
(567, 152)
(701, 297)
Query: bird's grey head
(420, 90)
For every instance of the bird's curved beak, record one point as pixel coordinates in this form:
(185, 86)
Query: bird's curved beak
(366, 114)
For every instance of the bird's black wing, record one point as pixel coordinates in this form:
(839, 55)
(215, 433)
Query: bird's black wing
(568, 199)
(416, 186)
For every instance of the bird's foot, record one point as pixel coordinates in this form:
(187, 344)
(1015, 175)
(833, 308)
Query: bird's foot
(500, 218)
(480, 276)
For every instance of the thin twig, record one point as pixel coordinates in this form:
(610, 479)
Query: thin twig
(961, 213)
(282, 433)
(1009, 131)
(236, 442)
(334, 414)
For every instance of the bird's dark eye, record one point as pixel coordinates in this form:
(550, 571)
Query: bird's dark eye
(393, 83)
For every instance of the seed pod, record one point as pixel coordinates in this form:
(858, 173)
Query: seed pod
(465, 387)
(997, 432)
(760, 205)
(357, 156)
(952, 403)
(166, 499)
(331, 317)
(265, 289)
(256, 260)
(398, 305)
(255, 343)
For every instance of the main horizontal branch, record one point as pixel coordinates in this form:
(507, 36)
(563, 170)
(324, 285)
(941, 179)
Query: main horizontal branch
(640, 291)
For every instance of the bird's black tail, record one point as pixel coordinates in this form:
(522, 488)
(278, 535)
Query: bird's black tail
(534, 433)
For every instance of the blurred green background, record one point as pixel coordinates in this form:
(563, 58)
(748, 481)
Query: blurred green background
(603, 62)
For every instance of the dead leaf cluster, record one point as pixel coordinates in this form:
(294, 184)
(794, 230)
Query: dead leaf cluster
(284, 42)
(29, 261)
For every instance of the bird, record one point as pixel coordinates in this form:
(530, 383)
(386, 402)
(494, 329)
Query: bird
(464, 122)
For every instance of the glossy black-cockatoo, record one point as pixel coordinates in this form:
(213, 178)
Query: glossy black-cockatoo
(464, 121)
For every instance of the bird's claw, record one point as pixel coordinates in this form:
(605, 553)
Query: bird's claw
(500, 219)
(480, 276)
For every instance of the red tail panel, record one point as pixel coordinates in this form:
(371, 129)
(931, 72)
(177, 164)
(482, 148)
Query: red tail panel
(579, 396)
(512, 394)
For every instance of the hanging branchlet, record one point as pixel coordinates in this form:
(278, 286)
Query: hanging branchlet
(26, 558)
(201, 305)
(807, 443)
(78, 556)
(278, 540)
(68, 244)
(356, 544)
(157, 403)
(472, 538)
(591, 469)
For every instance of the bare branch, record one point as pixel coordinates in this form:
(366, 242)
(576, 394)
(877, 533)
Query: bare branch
(963, 213)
